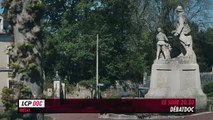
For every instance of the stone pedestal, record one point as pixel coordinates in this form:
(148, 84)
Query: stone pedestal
(175, 79)
(57, 89)
(63, 90)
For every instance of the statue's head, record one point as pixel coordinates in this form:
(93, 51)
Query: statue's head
(159, 29)
(179, 9)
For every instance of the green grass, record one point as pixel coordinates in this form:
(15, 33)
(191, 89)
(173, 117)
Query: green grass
(47, 118)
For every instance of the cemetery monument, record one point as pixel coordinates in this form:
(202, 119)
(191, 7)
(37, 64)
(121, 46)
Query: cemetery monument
(58, 87)
(177, 77)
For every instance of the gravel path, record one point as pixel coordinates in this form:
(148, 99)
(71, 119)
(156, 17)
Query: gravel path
(75, 116)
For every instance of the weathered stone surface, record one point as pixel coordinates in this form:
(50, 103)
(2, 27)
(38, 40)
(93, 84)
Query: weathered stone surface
(178, 77)
(49, 92)
(171, 79)
(57, 88)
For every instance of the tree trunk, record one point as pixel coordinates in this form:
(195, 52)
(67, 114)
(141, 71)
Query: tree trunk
(25, 57)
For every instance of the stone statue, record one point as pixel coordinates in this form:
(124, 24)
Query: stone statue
(163, 48)
(178, 77)
(183, 32)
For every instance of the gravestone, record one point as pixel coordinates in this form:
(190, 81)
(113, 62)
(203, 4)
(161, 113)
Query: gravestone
(57, 86)
(145, 78)
(63, 90)
(49, 92)
(178, 77)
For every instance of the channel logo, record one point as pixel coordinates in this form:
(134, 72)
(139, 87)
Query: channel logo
(29, 103)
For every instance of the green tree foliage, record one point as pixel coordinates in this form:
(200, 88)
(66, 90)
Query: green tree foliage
(10, 98)
(25, 55)
(74, 43)
(127, 32)
(203, 43)
(208, 89)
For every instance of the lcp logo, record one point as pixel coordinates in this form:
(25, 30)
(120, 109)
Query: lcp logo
(29, 103)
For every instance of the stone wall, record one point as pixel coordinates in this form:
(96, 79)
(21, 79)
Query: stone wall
(5, 41)
(80, 92)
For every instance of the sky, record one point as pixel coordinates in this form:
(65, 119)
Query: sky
(210, 11)
(1, 9)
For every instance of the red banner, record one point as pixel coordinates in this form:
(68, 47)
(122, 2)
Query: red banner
(113, 106)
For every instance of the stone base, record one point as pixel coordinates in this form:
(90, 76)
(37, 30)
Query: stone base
(171, 79)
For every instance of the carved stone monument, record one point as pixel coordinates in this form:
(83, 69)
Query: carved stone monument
(163, 48)
(58, 87)
(178, 77)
